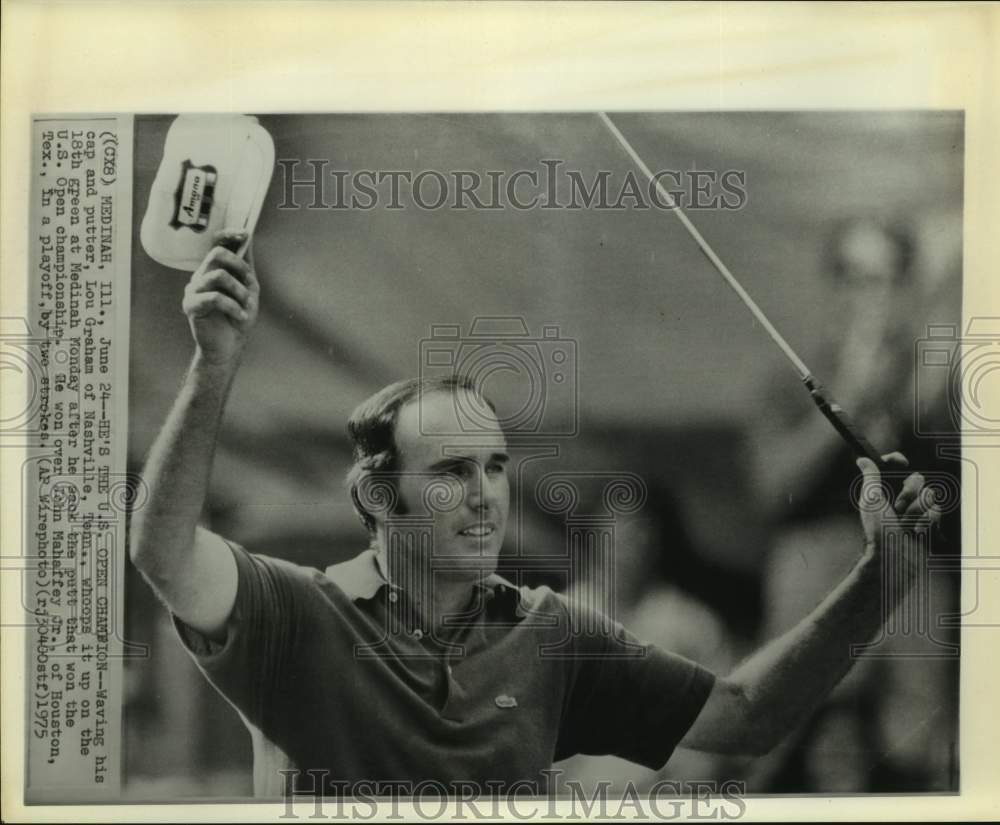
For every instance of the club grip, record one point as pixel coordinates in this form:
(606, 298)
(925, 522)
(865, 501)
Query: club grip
(236, 247)
(842, 423)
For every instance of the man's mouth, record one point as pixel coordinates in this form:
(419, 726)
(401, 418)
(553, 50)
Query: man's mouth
(479, 531)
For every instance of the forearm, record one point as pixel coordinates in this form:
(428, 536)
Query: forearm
(753, 708)
(178, 468)
(786, 681)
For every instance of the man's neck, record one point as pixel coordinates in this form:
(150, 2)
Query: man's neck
(433, 597)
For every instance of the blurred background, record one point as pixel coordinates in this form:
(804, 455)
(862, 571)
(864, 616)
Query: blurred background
(849, 239)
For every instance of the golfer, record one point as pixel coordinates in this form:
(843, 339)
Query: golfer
(414, 661)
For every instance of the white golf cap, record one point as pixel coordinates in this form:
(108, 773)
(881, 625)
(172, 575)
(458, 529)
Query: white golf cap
(214, 175)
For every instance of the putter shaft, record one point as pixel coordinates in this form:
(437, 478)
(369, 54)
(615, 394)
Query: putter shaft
(833, 412)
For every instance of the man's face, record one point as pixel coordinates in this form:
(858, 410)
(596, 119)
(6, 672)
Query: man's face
(473, 468)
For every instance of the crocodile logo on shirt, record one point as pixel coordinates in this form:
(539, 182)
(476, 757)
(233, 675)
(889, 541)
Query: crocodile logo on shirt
(505, 701)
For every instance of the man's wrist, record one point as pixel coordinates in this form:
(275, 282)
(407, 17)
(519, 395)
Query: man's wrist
(211, 379)
(204, 364)
(873, 566)
(869, 565)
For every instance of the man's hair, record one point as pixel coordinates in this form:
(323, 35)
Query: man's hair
(372, 430)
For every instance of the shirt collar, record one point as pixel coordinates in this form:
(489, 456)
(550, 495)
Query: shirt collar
(362, 577)
(359, 578)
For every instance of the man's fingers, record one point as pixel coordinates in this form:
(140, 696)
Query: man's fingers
(240, 268)
(200, 304)
(933, 514)
(222, 257)
(872, 495)
(924, 504)
(251, 273)
(914, 508)
(218, 280)
(231, 239)
(909, 494)
(896, 459)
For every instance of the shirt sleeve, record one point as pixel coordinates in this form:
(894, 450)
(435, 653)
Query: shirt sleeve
(626, 698)
(248, 667)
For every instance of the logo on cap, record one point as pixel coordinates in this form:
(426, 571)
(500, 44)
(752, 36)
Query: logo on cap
(505, 701)
(194, 196)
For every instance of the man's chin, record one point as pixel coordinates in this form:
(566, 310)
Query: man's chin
(470, 576)
(467, 566)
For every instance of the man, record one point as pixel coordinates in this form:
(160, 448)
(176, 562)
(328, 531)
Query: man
(414, 662)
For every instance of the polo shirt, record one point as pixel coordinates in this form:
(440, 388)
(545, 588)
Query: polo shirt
(331, 673)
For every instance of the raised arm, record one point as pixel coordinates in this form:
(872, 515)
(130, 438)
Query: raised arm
(778, 687)
(190, 568)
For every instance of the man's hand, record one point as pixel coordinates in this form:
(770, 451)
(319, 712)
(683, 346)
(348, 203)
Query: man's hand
(913, 509)
(778, 687)
(221, 301)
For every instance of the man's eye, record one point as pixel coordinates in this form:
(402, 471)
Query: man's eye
(495, 468)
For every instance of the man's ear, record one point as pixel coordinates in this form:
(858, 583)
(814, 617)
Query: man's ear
(378, 519)
(375, 494)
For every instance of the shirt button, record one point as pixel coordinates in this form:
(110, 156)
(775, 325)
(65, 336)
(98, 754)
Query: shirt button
(393, 597)
(418, 634)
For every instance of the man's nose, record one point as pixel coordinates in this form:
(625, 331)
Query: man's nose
(479, 493)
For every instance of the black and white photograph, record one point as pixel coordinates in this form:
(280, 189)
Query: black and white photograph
(462, 462)
(578, 461)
